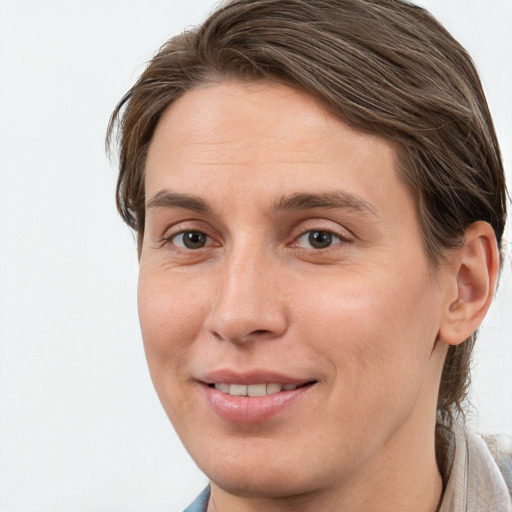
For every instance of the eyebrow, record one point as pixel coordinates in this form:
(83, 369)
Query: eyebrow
(334, 200)
(168, 199)
(298, 201)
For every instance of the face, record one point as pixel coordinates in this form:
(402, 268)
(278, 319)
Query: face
(287, 307)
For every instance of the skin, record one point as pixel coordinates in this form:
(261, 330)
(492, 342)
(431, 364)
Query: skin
(361, 317)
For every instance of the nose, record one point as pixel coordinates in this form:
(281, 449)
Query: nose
(248, 304)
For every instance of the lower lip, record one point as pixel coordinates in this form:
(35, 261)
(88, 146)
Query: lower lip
(244, 409)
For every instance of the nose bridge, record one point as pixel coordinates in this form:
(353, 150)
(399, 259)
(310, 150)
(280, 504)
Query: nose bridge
(247, 303)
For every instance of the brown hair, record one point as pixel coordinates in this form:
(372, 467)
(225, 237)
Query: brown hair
(386, 67)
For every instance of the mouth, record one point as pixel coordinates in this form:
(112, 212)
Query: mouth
(256, 390)
(256, 396)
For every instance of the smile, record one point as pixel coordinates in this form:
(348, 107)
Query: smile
(255, 402)
(253, 389)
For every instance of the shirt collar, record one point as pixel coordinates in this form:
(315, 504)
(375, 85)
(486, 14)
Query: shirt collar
(475, 483)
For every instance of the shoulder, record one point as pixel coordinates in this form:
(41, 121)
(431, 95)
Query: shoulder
(500, 446)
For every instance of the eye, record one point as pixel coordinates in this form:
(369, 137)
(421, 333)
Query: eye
(191, 239)
(318, 239)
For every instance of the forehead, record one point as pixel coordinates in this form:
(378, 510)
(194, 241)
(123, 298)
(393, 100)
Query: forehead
(264, 137)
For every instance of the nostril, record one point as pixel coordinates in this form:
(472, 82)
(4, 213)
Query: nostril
(241, 325)
(255, 335)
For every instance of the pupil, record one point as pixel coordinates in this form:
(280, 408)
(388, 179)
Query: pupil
(320, 239)
(194, 239)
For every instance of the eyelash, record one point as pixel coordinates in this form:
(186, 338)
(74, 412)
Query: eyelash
(182, 247)
(331, 237)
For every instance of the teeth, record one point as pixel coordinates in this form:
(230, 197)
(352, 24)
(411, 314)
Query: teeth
(257, 390)
(237, 390)
(273, 388)
(223, 387)
(254, 389)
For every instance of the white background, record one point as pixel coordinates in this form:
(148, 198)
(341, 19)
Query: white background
(81, 428)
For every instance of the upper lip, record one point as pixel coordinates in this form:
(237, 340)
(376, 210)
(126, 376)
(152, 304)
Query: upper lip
(251, 377)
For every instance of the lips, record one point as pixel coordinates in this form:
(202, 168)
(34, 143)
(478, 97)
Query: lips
(252, 397)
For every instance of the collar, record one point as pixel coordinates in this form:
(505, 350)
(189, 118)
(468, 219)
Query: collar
(475, 483)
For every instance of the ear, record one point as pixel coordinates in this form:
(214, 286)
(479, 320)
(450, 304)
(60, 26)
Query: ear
(474, 272)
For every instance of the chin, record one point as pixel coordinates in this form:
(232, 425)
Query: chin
(269, 482)
(259, 471)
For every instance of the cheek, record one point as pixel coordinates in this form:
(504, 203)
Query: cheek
(379, 334)
(169, 323)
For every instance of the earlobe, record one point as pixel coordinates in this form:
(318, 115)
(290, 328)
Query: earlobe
(475, 269)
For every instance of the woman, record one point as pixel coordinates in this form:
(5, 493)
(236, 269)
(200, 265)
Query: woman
(319, 201)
